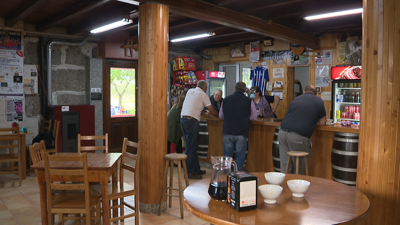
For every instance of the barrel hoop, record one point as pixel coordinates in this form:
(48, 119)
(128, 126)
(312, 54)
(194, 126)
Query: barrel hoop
(347, 134)
(276, 133)
(345, 181)
(202, 157)
(277, 169)
(276, 159)
(202, 152)
(278, 128)
(203, 146)
(275, 142)
(339, 152)
(346, 140)
(203, 124)
(203, 133)
(352, 170)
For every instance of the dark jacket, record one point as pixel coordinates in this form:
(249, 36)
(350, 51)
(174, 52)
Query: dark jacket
(174, 125)
(214, 103)
(237, 110)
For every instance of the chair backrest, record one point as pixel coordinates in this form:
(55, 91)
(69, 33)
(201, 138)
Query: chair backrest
(124, 165)
(37, 151)
(11, 138)
(79, 173)
(46, 125)
(90, 138)
(56, 128)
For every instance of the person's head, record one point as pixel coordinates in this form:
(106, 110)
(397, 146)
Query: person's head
(202, 84)
(311, 89)
(256, 91)
(240, 86)
(179, 101)
(218, 95)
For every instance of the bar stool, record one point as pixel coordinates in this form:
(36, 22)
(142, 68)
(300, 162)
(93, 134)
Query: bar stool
(169, 162)
(297, 154)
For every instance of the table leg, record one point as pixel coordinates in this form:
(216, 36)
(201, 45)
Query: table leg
(105, 202)
(115, 201)
(42, 191)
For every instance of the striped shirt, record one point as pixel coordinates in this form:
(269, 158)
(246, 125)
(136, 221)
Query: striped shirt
(259, 76)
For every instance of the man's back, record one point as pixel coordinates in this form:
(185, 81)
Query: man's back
(236, 109)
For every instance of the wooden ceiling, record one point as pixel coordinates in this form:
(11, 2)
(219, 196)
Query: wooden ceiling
(231, 20)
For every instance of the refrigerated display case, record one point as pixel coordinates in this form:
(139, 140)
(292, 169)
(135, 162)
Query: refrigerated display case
(215, 80)
(346, 101)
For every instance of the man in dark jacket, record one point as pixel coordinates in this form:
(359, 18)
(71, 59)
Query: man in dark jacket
(237, 111)
(216, 100)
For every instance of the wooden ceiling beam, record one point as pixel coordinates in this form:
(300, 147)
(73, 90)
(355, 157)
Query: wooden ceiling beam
(23, 11)
(212, 13)
(74, 11)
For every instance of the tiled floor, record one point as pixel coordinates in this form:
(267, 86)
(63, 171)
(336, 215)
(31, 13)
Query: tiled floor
(21, 205)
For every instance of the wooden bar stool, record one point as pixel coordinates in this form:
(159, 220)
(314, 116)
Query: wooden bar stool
(169, 162)
(297, 154)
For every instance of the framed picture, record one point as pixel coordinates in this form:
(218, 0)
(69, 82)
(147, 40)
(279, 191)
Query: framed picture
(318, 89)
(237, 50)
(267, 43)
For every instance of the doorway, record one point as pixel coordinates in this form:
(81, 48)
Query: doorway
(232, 76)
(120, 102)
(301, 80)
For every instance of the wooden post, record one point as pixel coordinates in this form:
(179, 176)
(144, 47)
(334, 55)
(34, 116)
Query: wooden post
(152, 76)
(378, 170)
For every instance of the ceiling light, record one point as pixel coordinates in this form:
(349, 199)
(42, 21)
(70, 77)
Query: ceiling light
(193, 37)
(334, 14)
(110, 26)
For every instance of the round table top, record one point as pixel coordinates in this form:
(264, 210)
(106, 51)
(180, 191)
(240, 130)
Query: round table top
(325, 202)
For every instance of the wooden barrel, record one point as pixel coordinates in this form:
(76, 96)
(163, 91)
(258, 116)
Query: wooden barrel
(276, 161)
(202, 140)
(344, 158)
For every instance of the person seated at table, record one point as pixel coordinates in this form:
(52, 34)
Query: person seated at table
(174, 124)
(261, 102)
(216, 100)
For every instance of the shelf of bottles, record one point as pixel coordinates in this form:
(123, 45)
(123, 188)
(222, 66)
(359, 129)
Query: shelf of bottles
(348, 102)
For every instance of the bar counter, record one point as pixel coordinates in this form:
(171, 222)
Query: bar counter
(261, 135)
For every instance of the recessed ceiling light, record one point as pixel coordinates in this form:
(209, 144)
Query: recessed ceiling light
(334, 14)
(111, 26)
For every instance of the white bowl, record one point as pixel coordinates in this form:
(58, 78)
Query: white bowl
(270, 192)
(274, 177)
(298, 187)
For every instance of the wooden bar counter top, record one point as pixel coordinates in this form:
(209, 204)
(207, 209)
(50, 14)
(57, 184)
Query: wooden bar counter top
(260, 139)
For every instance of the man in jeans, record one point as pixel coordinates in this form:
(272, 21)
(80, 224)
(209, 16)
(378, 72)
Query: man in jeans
(192, 109)
(237, 111)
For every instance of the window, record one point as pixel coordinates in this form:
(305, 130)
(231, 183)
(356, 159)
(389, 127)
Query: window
(246, 77)
(122, 88)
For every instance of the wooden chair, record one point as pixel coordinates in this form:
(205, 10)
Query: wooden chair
(36, 151)
(70, 202)
(92, 148)
(13, 144)
(123, 189)
(46, 125)
(56, 128)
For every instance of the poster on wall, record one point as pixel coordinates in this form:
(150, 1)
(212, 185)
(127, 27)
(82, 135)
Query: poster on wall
(322, 76)
(255, 51)
(341, 52)
(327, 57)
(11, 73)
(14, 110)
(277, 93)
(278, 73)
(10, 40)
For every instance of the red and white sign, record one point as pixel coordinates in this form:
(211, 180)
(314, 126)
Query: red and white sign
(346, 72)
(216, 74)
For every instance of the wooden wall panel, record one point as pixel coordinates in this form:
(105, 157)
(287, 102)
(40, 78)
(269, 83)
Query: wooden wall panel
(379, 149)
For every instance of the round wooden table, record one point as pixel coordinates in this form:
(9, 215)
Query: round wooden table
(326, 202)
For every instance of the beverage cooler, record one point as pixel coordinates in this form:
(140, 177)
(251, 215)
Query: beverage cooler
(346, 95)
(215, 80)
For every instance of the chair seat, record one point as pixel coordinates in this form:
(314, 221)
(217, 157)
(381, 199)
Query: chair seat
(175, 156)
(115, 190)
(297, 153)
(74, 201)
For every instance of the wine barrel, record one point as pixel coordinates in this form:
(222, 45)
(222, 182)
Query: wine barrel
(276, 161)
(344, 158)
(202, 140)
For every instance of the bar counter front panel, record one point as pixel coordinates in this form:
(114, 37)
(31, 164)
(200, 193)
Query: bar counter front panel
(260, 140)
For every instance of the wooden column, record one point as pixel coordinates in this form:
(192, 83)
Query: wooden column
(378, 172)
(152, 76)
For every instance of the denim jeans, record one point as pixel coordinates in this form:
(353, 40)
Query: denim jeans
(190, 129)
(237, 143)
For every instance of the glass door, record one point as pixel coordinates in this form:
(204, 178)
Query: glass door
(217, 84)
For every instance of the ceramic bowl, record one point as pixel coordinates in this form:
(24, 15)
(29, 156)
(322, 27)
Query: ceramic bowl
(270, 192)
(274, 177)
(298, 187)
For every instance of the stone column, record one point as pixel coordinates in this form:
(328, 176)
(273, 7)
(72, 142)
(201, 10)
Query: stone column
(152, 76)
(378, 170)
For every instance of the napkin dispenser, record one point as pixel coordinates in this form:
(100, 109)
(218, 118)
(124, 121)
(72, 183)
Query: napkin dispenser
(242, 190)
